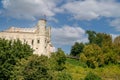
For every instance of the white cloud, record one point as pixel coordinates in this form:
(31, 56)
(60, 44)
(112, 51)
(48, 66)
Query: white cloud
(29, 9)
(79, 9)
(116, 24)
(52, 19)
(67, 35)
(92, 9)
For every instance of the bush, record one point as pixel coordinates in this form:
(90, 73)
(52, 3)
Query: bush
(92, 76)
(64, 76)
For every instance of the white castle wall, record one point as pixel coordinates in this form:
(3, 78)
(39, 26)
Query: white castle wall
(38, 38)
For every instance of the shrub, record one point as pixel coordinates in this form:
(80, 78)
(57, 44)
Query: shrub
(64, 76)
(92, 76)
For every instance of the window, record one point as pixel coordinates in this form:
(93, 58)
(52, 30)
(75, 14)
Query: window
(32, 42)
(38, 41)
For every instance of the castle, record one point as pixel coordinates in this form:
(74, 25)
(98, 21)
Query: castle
(39, 37)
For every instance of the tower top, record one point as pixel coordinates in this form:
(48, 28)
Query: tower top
(41, 23)
(43, 18)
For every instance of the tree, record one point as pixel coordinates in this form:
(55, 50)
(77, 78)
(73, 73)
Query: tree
(103, 39)
(117, 41)
(57, 66)
(77, 48)
(60, 58)
(99, 38)
(92, 55)
(110, 50)
(10, 53)
(33, 68)
(91, 36)
(57, 60)
(41, 67)
(117, 49)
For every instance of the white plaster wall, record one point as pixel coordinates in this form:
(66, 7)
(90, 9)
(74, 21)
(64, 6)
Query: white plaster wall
(42, 34)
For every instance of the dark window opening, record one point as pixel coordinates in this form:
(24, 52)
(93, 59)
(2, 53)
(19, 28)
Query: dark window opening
(32, 42)
(38, 41)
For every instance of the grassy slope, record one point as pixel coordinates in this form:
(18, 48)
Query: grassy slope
(111, 72)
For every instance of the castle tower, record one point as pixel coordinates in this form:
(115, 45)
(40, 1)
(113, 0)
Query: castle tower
(41, 27)
(48, 33)
(41, 39)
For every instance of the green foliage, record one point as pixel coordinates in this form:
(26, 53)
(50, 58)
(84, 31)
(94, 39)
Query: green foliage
(76, 62)
(42, 68)
(60, 58)
(57, 66)
(117, 49)
(10, 53)
(64, 76)
(92, 76)
(91, 55)
(91, 36)
(101, 50)
(34, 68)
(99, 38)
(77, 48)
(108, 72)
(103, 39)
(117, 41)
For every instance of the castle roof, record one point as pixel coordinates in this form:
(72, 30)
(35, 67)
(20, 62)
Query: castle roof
(15, 29)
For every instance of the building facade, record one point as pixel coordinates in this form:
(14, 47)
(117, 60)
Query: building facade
(39, 37)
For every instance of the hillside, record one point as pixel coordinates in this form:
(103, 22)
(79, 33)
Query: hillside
(78, 72)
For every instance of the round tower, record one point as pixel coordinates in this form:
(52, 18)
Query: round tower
(41, 26)
(41, 38)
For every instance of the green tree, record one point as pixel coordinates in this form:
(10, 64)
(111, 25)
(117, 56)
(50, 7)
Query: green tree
(117, 41)
(103, 39)
(60, 58)
(57, 66)
(34, 68)
(77, 48)
(100, 39)
(116, 55)
(92, 55)
(42, 68)
(10, 53)
(91, 36)
(116, 48)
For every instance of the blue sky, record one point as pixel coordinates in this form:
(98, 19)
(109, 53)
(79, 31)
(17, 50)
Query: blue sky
(69, 19)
